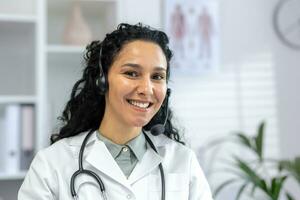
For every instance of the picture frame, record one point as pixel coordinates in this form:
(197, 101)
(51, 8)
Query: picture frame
(193, 29)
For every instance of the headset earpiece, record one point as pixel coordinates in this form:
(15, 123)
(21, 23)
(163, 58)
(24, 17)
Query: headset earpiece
(168, 93)
(101, 80)
(101, 84)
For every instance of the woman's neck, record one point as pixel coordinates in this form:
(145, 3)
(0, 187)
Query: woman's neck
(117, 132)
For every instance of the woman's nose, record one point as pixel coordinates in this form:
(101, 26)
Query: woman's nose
(145, 86)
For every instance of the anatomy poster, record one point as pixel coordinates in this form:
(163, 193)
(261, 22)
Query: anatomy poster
(193, 28)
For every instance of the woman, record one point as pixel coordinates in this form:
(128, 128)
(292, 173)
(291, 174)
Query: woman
(107, 148)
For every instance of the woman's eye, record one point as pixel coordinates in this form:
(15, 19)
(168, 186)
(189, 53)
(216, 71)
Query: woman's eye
(131, 73)
(158, 76)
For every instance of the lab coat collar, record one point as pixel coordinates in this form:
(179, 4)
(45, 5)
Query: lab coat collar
(158, 141)
(105, 163)
(148, 163)
(100, 158)
(78, 139)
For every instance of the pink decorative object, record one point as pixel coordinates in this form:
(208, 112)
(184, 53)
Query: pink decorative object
(77, 32)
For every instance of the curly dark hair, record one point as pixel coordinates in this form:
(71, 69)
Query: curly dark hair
(85, 109)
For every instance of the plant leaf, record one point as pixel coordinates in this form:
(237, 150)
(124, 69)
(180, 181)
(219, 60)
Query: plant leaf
(252, 190)
(276, 186)
(240, 192)
(223, 185)
(297, 169)
(264, 186)
(244, 140)
(251, 176)
(273, 185)
(247, 171)
(259, 141)
(292, 167)
(288, 196)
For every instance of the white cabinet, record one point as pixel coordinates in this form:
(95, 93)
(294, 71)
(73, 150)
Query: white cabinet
(39, 67)
(18, 76)
(17, 55)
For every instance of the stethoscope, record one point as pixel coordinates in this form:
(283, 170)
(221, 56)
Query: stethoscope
(81, 170)
(155, 130)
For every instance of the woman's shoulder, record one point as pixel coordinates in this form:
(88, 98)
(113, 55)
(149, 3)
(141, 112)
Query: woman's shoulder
(62, 147)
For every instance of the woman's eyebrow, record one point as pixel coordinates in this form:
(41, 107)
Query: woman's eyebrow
(133, 65)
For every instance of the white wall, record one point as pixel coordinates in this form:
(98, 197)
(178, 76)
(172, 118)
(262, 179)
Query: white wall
(287, 63)
(288, 80)
(134, 11)
(247, 37)
(247, 32)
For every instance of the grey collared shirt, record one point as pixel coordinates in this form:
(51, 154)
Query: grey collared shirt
(127, 155)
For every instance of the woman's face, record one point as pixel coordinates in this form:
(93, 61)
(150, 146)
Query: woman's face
(137, 84)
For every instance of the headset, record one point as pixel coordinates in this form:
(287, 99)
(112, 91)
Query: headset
(155, 130)
(101, 81)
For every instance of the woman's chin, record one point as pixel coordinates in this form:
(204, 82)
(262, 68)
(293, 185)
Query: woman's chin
(140, 123)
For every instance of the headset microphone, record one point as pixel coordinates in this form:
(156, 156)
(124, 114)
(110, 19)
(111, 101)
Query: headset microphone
(158, 129)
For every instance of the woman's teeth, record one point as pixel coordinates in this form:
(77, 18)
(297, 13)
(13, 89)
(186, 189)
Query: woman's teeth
(139, 104)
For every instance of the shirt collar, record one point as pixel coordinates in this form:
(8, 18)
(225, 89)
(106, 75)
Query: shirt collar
(137, 145)
(159, 141)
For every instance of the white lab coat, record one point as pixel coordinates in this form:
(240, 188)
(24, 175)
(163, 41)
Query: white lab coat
(50, 172)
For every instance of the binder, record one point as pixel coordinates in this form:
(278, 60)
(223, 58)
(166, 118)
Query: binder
(27, 136)
(11, 157)
(2, 138)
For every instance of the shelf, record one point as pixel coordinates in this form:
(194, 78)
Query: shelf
(17, 99)
(97, 1)
(17, 18)
(84, 1)
(65, 49)
(18, 10)
(18, 56)
(99, 16)
(16, 176)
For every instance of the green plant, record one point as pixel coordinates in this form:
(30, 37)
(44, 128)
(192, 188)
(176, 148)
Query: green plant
(249, 175)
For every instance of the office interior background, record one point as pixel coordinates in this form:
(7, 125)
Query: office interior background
(255, 79)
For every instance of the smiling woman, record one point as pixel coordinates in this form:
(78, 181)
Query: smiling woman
(119, 115)
(137, 88)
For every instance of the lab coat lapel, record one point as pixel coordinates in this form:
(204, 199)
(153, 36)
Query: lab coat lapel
(148, 163)
(100, 158)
